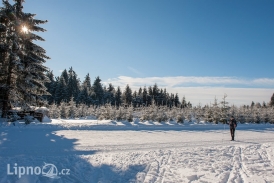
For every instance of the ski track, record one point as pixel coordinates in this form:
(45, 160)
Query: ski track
(149, 161)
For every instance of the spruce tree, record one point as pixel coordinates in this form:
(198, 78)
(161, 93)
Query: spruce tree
(127, 95)
(60, 92)
(72, 84)
(271, 103)
(184, 103)
(22, 71)
(224, 110)
(145, 96)
(118, 97)
(176, 100)
(84, 95)
(72, 110)
(51, 87)
(98, 91)
(110, 92)
(64, 74)
(33, 75)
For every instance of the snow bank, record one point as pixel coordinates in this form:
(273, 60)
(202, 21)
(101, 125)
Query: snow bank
(46, 119)
(82, 124)
(150, 155)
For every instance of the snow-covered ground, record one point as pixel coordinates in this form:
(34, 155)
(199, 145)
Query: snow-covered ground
(109, 151)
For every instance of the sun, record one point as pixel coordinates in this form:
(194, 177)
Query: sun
(25, 29)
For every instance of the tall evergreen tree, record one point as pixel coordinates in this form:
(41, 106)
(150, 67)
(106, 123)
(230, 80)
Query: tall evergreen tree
(176, 100)
(184, 103)
(98, 91)
(127, 95)
(60, 92)
(145, 96)
(64, 74)
(21, 59)
(110, 98)
(72, 84)
(9, 59)
(118, 97)
(271, 103)
(85, 93)
(51, 87)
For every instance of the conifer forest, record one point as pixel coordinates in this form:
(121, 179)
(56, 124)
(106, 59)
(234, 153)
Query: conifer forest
(25, 81)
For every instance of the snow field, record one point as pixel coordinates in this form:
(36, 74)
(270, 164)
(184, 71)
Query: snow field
(151, 153)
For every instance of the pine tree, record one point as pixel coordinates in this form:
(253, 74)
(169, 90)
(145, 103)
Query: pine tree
(127, 95)
(216, 117)
(176, 100)
(252, 104)
(10, 61)
(118, 97)
(98, 91)
(22, 60)
(110, 98)
(271, 103)
(84, 95)
(72, 84)
(224, 110)
(51, 87)
(155, 93)
(72, 110)
(145, 96)
(64, 75)
(54, 111)
(135, 99)
(184, 103)
(60, 92)
(63, 110)
(33, 75)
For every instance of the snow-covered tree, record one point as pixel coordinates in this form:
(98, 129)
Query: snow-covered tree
(145, 96)
(127, 95)
(98, 91)
(118, 97)
(110, 94)
(271, 103)
(22, 71)
(129, 114)
(84, 96)
(72, 109)
(31, 82)
(63, 110)
(54, 111)
(224, 110)
(51, 87)
(144, 114)
(120, 113)
(60, 91)
(73, 85)
(180, 117)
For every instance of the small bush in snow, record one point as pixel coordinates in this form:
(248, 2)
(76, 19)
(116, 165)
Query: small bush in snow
(28, 119)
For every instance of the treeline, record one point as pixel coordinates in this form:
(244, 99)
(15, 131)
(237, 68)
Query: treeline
(215, 113)
(68, 87)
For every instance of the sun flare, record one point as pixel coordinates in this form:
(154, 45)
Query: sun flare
(25, 29)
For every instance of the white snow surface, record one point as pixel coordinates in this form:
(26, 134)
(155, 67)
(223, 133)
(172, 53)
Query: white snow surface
(109, 151)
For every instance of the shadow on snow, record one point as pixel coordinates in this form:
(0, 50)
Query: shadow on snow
(27, 147)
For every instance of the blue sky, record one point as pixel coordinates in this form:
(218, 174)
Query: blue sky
(197, 45)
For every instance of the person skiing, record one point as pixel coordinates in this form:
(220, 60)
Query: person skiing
(233, 125)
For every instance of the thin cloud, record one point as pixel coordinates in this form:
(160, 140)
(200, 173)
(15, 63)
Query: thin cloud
(264, 81)
(203, 89)
(135, 71)
(193, 81)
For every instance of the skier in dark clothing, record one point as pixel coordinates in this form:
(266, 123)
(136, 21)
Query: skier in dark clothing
(233, 125)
